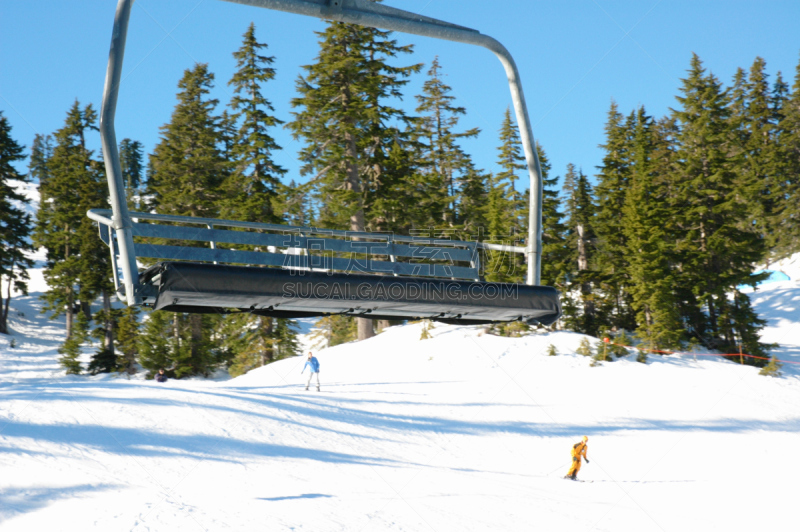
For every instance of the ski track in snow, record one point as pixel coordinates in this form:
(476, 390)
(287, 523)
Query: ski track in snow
(462, 432)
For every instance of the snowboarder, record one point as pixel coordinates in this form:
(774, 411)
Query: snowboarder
(312, 363)
(578, 450)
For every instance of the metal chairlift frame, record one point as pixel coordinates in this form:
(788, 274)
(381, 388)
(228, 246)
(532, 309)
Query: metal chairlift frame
(117, 227)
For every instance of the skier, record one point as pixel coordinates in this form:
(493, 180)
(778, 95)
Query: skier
(313, 364)
(578, 450)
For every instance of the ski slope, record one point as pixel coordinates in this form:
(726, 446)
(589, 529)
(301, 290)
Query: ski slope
(462, 432)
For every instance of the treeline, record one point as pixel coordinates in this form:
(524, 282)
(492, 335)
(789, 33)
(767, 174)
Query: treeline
(682, 209)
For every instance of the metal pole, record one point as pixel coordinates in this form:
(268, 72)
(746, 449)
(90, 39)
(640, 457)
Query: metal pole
(121, 218)
(368, 13)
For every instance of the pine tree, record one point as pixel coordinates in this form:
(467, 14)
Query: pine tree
(442, 160)
(504, 207)
(38, 166)
(71, 349)
(611, 262)
(648, 239)
(343, 115)
(128, 339)
(253, 187)
(786, 225)
(15, 224)
(716, 251)
(257, 343)
(580, 238)
(78, 264)
(187, 176)
(131, 157)
(157, 344)
(555, 255)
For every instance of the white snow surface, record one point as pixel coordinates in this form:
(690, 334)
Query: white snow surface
(462, 432)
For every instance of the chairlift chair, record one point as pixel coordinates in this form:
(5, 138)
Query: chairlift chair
(306, 271)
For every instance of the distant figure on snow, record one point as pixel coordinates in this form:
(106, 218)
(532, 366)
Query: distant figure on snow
(578, 450)
(312, 363)
(161, 376)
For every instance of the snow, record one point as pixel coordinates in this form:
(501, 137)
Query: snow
(465, 431)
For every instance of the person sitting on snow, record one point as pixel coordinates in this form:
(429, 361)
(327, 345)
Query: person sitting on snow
(313, 363)
(161, 376)
(578, 450)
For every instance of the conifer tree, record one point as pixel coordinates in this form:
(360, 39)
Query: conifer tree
(555, 255)
(38, 166)
(716, 252)
(131, 161)
(344, 117)
(78, 265)
(128, 339)
(648, 238)
(15, 224)
(611, 261)
(253, 187)
(70, 350)
(188, 171)
(157, 345)
(442, 160)
(787, 210)
(504, 209)
(580, 239)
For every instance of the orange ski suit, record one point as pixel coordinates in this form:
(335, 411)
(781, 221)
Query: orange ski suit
(578, 450)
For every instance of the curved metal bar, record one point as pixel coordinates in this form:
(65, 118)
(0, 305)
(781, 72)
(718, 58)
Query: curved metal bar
(363, 12)
(368, 13)
(121, 220)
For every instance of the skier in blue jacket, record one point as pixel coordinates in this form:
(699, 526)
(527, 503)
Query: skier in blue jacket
(313, 364)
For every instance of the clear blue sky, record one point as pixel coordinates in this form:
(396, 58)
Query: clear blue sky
(574, 57)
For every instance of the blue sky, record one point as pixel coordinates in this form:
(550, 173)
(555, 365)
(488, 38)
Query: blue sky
(574, 57)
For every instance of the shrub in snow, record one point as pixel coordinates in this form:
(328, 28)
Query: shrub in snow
(584, 348)
(551, 350)
(426, 328)
(773, 369)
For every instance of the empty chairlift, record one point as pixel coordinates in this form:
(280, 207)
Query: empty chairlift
(304, 271)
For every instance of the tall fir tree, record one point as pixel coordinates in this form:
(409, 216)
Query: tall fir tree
(78, 265)
(443, 162)
(15, 224)
(504, 208)
(645, 217)
(611, 262)
(188, 170)
(716, 251)
(345, 117)
(579, 306)
(38, 164)
(555, 254)
(787, 210)
(131, 161)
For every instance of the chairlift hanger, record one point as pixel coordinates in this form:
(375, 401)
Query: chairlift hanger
(215, 279)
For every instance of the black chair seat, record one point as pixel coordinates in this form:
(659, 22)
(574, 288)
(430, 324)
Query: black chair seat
(205, 288)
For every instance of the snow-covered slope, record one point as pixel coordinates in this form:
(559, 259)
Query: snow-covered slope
(461, 432)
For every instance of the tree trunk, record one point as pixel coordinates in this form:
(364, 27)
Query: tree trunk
(382, 324)
(108, 339)
(267, 326)
(196, 323)
(4, 308)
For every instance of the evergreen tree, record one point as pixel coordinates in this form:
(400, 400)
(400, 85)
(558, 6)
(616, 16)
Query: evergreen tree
(78, 264)
(253, 187)
(128, 339)
(716, 251)
(504, 208)
(188, 172)
(443, 161)
(15, 224)
(257, 343)
(786, 225)
(131, 162)
(580, 239)
(157, 344)
(611, 262)
(345, 119)
(648, 239)
(70, 350)
(555, 255)
(38, 166)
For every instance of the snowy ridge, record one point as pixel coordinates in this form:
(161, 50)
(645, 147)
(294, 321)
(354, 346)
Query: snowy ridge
(465, 431)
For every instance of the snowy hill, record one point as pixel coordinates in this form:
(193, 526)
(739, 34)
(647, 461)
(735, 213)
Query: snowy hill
(461, 432)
